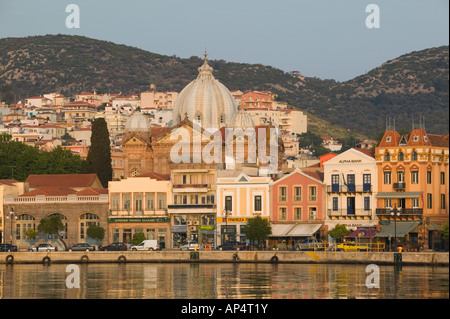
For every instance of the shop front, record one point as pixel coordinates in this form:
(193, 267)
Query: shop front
(122, 229)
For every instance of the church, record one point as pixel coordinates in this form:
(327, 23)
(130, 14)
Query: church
(205, 109)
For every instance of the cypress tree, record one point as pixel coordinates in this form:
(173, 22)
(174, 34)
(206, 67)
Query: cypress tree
(98, 160)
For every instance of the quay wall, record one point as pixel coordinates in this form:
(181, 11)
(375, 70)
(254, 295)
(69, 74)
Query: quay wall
(379, 258)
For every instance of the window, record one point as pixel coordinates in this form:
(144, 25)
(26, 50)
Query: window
(428, 177)
(297, 194)
(138, 203)
(366, 203)
(161, 201)
(414, 156)
(387, 157)
(442, 201)
(387, 203)
(312, 194)
(388, 138)
(257, 201)
(126, 201)
(194, 199)
(312, 213)
(415, 203)
(367, 182)
(283, 191)
(400, 156)
(415, 138)
(442, 178)
(429, 201)
(115, 202)
(414, 177)
(387, 177)
(228, 203)
(282, 213)
(335, 204)
(401, 176)
(150, 199)
(298, 213)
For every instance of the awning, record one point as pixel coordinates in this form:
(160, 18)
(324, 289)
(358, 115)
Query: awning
(401, 229)
(399, 194)
(294, 230)
(304, 230)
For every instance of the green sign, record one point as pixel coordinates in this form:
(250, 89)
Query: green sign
(139, 220)
(207, 227)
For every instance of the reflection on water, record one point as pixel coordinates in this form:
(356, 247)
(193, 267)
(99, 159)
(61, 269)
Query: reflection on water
(296, 281)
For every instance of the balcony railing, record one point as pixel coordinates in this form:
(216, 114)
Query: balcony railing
(349, 212)
(190, 206)
(190, 185)
(350, 188)
(399, 186)
(402, 211)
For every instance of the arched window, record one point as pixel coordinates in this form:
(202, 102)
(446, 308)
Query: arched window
(400, 156)
(23, 223)
(85, 221)
(414, 156)
(387, 157)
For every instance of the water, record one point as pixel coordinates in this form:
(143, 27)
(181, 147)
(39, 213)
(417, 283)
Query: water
(220, 281)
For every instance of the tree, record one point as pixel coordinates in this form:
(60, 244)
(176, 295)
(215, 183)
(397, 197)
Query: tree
(138, 238)
(96, 232)
(31, 234)
(7, 94)
(444, 231)
(98, 160)
(53, 225)
(257, 229)
(338, 232)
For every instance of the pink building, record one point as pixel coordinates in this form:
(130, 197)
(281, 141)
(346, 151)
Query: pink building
(297, 208)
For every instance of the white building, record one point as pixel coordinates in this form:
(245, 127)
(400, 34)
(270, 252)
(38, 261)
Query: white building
(351, 179)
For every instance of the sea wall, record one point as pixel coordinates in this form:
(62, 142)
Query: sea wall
(406, 258)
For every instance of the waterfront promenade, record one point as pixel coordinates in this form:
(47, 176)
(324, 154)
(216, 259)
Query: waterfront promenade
(405, 258)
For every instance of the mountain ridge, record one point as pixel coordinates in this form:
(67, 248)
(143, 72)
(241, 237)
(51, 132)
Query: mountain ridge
(410, 85)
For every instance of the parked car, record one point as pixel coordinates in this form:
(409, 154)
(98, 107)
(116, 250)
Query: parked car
(8, 247)
(114, 247)
(310, 244)
(43, 247)
(232, 246)
(81, 247)
(148, 244)
(351, 246)
(190, 245)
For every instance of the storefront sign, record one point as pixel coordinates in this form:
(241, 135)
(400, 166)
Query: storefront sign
(349, 161)
(179, 229)
(236, 219)
(139, 220)
(207, 227)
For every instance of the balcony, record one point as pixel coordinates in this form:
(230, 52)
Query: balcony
(350, 188)
(190, 188)
(349, 213)
(399, 186)
(386, 212)
(186, 206)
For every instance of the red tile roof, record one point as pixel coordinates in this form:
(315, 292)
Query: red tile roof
(61, 180)
(51, 191)
(367, 152)
(157, 176)
(92, 191)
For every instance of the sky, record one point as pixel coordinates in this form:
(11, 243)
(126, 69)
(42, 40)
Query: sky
(327, 39)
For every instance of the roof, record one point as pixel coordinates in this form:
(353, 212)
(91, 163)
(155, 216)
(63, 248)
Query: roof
(92, 191)
(157, 176)
(51, 191)
(61, 180)
(365, 151)
(9, 182)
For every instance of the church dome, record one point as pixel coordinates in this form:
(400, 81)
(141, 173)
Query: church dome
(242, 120)
(205, 99)
(137, 122)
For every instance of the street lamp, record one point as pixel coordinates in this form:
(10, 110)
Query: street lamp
(10, 217)
(395, 213)
(225, 235)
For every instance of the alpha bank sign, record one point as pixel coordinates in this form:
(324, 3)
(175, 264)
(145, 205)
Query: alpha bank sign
(353, 161)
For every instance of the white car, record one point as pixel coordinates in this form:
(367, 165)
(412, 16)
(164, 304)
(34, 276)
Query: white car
(191, 245)
(149, 244)
(43, 247)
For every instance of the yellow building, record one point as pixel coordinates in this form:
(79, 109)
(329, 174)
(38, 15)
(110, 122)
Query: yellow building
(239, 198)
(413, 186)
(139, 204)
(13, 188)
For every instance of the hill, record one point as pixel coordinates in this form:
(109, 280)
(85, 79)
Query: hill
(410, 85)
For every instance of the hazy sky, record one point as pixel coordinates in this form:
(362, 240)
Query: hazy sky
(321, 38)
